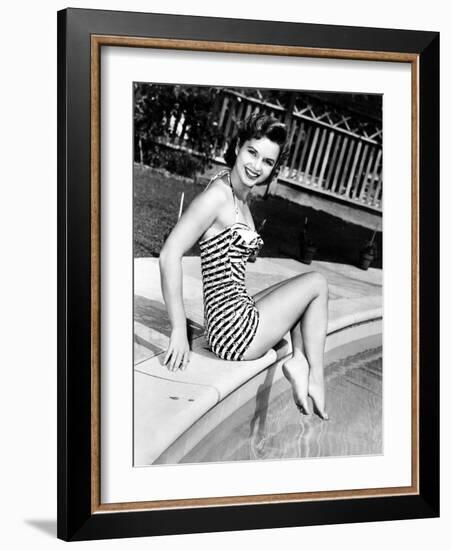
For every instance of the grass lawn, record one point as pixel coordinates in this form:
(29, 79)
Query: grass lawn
(156, 204)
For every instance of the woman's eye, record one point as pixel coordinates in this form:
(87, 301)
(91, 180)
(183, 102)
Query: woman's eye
(269, 162)
(252, 152)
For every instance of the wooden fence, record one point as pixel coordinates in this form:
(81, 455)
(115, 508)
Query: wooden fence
(332, 152)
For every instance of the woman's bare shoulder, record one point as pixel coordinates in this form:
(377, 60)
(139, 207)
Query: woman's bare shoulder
(210, 202)
(218, 189)
(201, 214)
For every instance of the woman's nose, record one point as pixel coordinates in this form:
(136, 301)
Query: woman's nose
(257, 163)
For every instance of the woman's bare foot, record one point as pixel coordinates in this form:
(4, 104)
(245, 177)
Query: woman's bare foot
(316, 392)
(296, 371)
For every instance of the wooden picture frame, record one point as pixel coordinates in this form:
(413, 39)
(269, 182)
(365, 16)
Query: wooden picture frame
(81, 35)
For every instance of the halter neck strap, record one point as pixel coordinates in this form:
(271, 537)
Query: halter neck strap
(234, 196)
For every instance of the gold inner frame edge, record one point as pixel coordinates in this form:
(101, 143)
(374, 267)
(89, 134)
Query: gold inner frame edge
(97, 41)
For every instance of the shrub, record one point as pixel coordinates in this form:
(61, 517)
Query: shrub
(174, 161)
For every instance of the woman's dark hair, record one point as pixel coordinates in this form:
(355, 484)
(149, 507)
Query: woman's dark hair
(257, 126)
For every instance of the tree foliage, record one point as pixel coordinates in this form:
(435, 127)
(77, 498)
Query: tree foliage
(177, 115)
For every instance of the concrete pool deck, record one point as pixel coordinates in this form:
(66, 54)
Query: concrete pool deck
(168, 404)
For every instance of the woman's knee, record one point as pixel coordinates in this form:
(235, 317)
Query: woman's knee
(319, 283)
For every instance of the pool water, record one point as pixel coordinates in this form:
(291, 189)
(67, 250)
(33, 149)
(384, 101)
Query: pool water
(270, 426)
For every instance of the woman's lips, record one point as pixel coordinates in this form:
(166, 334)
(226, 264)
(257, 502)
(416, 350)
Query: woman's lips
(251, 174)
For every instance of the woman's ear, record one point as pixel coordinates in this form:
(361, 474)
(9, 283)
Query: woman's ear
(237, 147)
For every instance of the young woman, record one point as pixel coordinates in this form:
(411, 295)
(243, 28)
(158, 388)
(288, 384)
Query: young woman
(239, 327)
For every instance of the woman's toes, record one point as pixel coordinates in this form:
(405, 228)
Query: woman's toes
(321, 413)
(301, 404)
(296, 371)
(317, 395)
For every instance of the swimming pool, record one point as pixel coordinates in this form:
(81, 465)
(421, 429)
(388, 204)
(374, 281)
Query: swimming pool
(266, 425)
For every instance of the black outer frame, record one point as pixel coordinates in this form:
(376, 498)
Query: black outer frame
(75, 520)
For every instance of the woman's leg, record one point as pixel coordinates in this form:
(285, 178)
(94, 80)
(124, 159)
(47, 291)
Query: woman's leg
(314, 330)
(295, 369)
(295, 332)
(280, 309)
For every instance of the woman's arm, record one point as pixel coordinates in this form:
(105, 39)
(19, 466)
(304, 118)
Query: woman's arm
(199, 216)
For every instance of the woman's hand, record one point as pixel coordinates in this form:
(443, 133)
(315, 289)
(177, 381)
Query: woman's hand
(199, 216)
(177, 354)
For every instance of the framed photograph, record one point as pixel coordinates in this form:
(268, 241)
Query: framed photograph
(248, 274)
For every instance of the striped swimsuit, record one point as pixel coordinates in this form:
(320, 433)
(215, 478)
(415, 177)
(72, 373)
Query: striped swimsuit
(231, 316)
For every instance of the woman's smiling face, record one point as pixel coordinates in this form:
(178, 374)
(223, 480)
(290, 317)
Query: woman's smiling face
(256, 160)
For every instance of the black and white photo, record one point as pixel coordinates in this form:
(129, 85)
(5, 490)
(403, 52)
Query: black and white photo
(257, 274)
